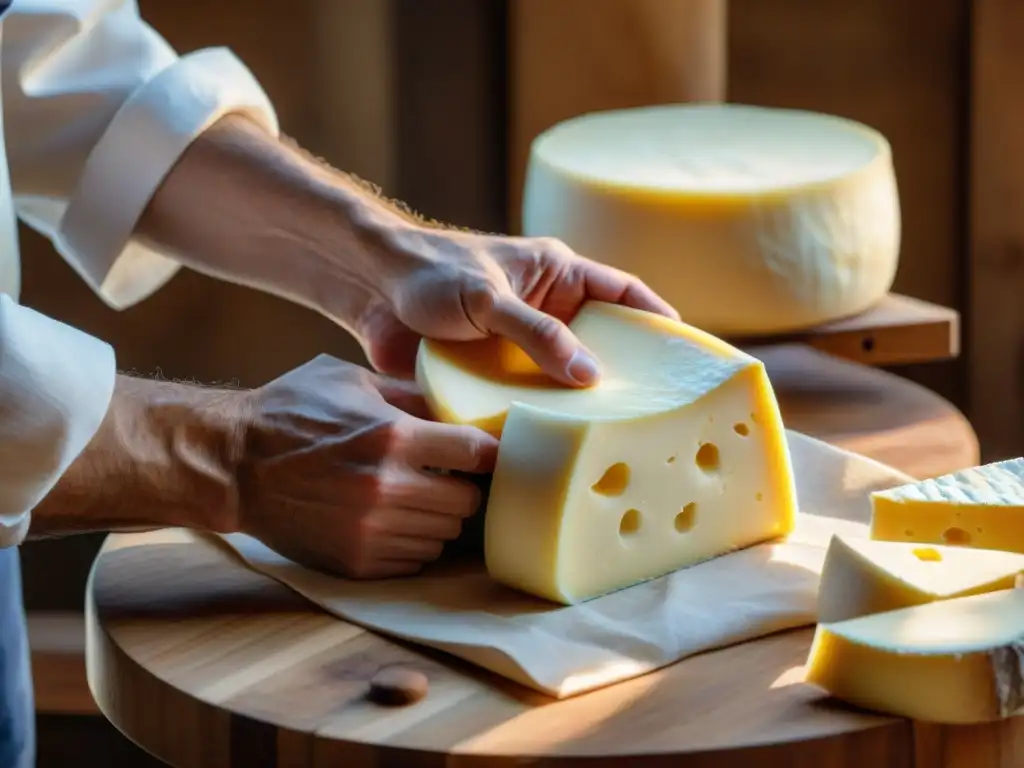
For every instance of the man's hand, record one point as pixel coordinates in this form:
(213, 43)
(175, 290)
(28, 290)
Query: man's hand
(330, 465)
(243, 206)
(337, 473)
(461, 286)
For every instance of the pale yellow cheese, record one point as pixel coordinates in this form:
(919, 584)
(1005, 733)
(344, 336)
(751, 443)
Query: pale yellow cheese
(678, 455)
(978, 507)
(748, 220)
(861, 576)
(954, 661)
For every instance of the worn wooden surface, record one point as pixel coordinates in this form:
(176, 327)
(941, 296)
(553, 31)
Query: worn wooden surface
(206, 663)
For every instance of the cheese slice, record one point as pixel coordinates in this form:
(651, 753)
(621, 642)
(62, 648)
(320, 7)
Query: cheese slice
(861, 576)
(955, 661)
(978, 507)
(748, 220)
(676, 456)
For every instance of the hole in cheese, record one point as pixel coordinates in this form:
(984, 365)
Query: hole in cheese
(707, 457)
(956, 536)
(686, 518)
(614, 480)
(927, 554)
(908, 532)
(741, 429)
(759, 496)
(753, 418)
(670, 460)
(630, 522)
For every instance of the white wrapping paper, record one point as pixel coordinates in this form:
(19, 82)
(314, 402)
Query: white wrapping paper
(563, 651)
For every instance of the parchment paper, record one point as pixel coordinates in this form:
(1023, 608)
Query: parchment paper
(563, 651)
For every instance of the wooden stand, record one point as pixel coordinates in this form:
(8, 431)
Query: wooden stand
(207, 663)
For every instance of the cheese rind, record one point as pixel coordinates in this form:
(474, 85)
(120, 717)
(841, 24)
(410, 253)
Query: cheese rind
(677, 455)
(978, 507)
(861, 577)
(748, 220)
(954, 661)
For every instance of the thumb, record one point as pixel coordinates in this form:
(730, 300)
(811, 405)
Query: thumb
(545, 338)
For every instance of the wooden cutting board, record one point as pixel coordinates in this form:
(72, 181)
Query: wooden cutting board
(205, 663)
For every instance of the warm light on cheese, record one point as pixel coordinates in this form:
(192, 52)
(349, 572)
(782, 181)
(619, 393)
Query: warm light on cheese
(677, 455)
(978, 507)
(955, 661)
(748, 220)
(861, 576)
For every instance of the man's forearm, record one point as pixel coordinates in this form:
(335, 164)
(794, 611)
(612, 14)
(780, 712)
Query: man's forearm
(165, 455)
(243, 206)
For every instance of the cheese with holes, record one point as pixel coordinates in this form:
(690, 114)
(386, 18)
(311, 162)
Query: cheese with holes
(861, 576)
(748, 220)
(677, 455)
(955, 661)
(978, 507)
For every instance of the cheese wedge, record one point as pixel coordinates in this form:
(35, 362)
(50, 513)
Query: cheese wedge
(955, 661)
(978, 507)
(749, 220)
(676, 456)
(861, 576)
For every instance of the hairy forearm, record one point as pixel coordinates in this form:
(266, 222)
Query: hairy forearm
(243, 206)
(165, 455)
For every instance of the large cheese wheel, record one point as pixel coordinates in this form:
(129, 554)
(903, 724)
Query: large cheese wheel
(748, 220)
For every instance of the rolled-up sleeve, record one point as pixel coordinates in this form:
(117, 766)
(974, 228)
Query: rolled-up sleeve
(97, 110)
(56, 384)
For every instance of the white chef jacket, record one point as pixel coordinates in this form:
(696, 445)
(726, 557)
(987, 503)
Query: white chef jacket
(96, 108)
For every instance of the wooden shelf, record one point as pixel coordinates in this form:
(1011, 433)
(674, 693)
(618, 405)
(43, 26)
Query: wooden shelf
(57, 640)
(898, 331)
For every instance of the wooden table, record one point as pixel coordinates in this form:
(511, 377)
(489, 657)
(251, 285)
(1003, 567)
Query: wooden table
(205, 663)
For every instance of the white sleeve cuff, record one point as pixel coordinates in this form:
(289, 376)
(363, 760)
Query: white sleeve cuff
(141, 145)
(55, 388)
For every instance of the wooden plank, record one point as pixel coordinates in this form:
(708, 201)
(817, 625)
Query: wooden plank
(996, 320)
(897, 331)
(57, 642)
(570, 57)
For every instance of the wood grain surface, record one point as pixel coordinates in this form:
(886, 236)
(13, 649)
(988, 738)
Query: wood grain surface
(205, 663)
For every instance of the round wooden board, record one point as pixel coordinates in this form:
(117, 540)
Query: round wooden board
(205, 663)
(869, 411)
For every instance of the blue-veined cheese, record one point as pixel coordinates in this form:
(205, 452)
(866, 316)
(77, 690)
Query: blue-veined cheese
(979, 507)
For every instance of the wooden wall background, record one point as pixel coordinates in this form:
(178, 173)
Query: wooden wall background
(426, 98)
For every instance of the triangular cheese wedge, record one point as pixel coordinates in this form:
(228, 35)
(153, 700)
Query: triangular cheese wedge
(677, 455)
(862, 577)
(954, 661)
(978, 507)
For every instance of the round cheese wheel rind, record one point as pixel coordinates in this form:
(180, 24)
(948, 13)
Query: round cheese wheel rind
(748, 220)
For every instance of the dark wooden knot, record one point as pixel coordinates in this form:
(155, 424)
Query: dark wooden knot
(398, 687)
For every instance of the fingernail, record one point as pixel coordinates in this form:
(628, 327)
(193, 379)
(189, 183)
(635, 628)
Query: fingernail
(583, 368)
